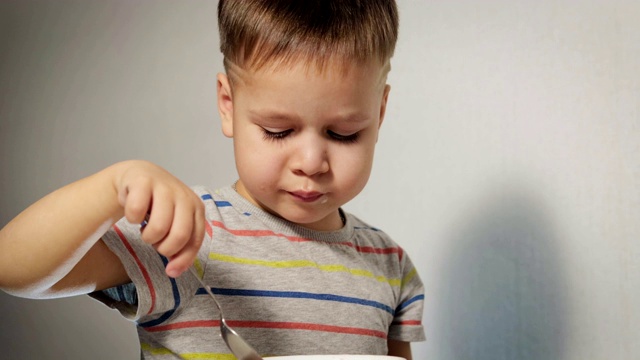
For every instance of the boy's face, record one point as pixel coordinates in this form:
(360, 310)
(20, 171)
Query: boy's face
(303, 139)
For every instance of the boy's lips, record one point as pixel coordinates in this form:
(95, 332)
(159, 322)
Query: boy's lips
(306, 196)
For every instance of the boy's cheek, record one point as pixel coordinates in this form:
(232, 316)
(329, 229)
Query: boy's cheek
(258, 165)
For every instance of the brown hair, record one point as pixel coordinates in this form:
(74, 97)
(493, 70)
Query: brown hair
(256, 33)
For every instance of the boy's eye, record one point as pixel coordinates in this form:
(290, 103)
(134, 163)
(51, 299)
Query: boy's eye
(281, 135)
(275, 135)
(351, 138)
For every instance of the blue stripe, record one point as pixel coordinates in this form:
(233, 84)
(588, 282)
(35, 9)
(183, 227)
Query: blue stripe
(121, 295)
(409, 302)
(176, 301)
(298, 295)
(365, 228)
(218, 203)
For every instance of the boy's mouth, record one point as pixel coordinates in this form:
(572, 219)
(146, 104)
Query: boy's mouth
(306, 196)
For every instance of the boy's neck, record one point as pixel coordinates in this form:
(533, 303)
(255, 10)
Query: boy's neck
(239, 188)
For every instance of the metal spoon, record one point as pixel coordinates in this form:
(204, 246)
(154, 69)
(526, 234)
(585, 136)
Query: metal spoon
(238, 346)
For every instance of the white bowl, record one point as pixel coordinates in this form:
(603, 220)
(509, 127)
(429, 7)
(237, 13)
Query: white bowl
(335, 357)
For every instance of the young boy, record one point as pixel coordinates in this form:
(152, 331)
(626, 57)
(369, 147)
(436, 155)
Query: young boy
(303, 98)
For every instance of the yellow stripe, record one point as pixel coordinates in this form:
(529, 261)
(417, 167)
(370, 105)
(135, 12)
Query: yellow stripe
(409, 276)
(199, 268)
(303, 264)
(155, 351)
(207, 356)
(164, 351)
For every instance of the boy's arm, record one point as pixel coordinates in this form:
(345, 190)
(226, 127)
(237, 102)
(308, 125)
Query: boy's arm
(399, 348)
(51, 249)
(99, 269)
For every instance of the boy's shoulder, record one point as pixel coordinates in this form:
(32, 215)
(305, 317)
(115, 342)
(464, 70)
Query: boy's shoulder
(360, 224)
(373, 234)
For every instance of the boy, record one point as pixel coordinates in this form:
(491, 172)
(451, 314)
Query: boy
(303, 97)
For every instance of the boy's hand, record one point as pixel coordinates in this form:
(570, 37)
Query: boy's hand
(176, 216)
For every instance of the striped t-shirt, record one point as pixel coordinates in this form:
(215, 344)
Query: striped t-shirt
(286, 289)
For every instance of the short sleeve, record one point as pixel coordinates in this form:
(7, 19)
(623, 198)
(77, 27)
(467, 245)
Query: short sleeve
(157, 296)
(407, 322)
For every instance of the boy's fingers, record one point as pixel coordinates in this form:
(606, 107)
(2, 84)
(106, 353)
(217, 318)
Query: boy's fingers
(137, 205)
(199, 226)
(180, 232)
(181, 261)
(159, 222)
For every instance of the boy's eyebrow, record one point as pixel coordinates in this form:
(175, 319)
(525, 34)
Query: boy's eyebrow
(273, 115)
(278, 115)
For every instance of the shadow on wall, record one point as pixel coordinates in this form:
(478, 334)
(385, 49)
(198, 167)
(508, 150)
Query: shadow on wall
(501, 292)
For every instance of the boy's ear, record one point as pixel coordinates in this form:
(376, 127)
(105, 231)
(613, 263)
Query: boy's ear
(225, 104)
(383, 106)
(383, 103)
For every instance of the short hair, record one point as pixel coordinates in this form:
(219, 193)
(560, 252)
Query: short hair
(258, 33)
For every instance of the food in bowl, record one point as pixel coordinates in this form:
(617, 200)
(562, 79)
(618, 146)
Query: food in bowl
(335, 357)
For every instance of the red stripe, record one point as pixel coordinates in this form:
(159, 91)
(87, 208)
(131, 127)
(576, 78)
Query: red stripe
(369, 249)
(256, 233)
(271, 325)
(309, 326)
(260, 233)
(184, 325)
(141, 266)
(408, 322)
(208, 229)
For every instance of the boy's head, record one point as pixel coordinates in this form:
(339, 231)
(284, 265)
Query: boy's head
(260, 33)
(304, 99)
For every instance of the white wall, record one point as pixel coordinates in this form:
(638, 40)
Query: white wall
(508, 164)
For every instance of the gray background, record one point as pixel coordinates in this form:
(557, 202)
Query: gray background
(507, 166)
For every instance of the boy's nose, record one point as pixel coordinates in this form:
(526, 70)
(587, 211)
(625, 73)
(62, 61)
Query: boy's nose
(310, 158)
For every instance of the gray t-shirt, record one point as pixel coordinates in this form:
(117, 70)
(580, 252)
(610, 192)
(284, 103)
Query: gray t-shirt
(286, 289)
